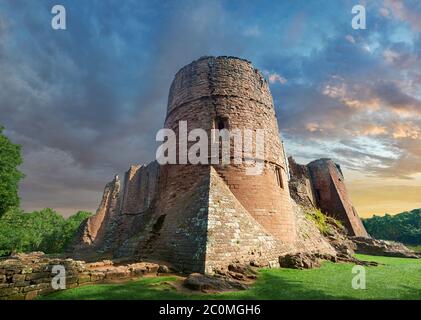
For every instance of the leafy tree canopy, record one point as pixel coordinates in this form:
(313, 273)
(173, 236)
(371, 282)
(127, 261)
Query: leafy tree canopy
(10, 159)
(44, 230)
(404, 227)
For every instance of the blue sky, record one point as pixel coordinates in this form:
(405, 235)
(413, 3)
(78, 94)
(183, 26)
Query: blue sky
(86, 102)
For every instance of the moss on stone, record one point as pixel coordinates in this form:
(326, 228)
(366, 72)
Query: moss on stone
(320, 220)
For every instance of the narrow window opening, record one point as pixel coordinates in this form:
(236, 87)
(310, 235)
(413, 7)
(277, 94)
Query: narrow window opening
(318, 195)
(221, 123)
(279, 177)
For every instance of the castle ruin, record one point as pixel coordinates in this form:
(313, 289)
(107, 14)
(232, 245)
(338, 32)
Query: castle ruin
(202, 217)
(321, 184)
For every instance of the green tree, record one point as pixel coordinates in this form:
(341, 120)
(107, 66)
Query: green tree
(44, 230)
(72, 225)
(403, 227)
(10, 159)
(12, 235)
(63, 235)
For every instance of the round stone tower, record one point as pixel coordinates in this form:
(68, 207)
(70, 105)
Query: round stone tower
(228, 93)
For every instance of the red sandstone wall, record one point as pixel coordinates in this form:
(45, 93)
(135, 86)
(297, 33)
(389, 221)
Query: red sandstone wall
(175, 230)
(140, 184)
(93, 231)
(300, 184)
(233, 234)
(131, 188)
(332, 196)
(231, 88)
(120, 213)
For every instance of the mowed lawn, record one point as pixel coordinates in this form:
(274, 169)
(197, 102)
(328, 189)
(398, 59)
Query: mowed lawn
(396, 278)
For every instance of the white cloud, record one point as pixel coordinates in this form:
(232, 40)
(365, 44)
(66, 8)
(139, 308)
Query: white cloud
(274, 77)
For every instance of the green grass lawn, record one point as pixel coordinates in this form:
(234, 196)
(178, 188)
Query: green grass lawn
(396, 278)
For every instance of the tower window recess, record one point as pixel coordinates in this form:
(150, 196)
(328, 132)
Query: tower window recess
(221, 123)
(278, 173)
(318, 197)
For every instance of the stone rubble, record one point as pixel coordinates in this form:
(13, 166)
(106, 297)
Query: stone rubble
(25, 276)
(213, 283)
(382, 248)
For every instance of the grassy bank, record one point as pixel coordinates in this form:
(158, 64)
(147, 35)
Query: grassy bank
(396, 278)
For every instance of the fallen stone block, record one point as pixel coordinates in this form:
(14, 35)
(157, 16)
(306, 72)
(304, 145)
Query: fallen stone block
(18, 278)
(201, 282)
(299, 261)
(31, 295)
(97, 276)
(39, 275)
(163, 269)
(376, 247)
(8, 292)
(84, 278)
(17, 296)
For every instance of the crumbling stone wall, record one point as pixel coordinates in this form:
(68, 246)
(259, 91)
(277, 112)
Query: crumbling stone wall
(321, 184)
(383, 248)
(232, 233)
(93, 231)
(175, 230)
(130, 201)
(26, 276)
(140, 185)
(300, 185)
(120, 211)
(332, 196)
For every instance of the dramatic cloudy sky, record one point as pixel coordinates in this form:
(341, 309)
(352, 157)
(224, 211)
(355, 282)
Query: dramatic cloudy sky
(86, 102)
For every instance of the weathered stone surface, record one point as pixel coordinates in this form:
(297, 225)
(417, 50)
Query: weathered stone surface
(205, 283)
(5, 292)
(321, 184)
(22, 283)
(232, 233)
(99, 264)
(116, 274)
(31, 295)
(299, 261)
(18, 285)
(238, 271)
(332, 196)
(18, 296)
(163, 269)
(84, 278)
(144, 267)
(92, 232)
(38, 275)
(97, 276)
(300, 186)
(243, 269)
(309, 238)
(382, 248)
